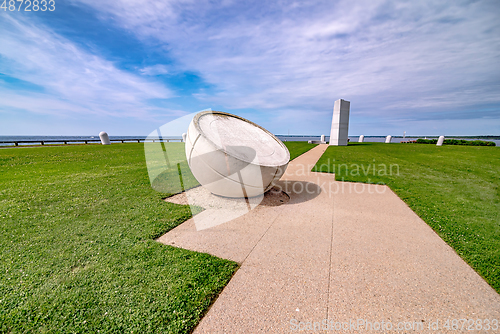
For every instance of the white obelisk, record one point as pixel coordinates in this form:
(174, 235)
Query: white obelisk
(340, 123)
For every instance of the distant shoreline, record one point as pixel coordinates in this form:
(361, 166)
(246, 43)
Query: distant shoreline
(9, 141)
(2, 137)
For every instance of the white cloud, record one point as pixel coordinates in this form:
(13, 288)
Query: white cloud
(290, 59)
(154, 70)
(382, 55)
(74, 80)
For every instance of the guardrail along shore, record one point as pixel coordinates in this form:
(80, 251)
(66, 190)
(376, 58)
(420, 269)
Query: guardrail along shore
(83, 141)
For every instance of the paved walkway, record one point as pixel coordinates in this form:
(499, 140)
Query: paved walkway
(337, 251)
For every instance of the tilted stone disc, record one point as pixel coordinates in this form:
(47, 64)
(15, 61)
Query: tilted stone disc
(232, 156)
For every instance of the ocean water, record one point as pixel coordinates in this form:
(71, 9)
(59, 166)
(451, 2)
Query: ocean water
(373, 139)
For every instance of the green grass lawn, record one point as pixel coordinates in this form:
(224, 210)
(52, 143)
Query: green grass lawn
(455, 189)
(77, 230)
(297, 148)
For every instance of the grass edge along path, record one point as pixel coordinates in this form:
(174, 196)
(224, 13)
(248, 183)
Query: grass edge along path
(77, 230)
(297, 148)
(454, 189)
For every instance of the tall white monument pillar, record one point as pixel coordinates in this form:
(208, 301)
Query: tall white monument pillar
(340, 123)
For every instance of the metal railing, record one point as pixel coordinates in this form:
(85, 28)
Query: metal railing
(85, 141)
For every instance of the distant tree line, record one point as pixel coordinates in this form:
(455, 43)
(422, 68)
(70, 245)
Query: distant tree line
(457, 142)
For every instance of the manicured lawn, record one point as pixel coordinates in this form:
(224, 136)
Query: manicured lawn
(77, 230)
(455, 189)
(77, 252)
(297, 148)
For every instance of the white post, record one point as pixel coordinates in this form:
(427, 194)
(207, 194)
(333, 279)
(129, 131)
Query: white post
(340, 123)
(323, 139)
(440, 141)
(184, 135)
(388, 139)
(104, 138)
(361, 139)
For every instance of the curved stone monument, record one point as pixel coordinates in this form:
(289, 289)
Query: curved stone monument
(388, 139)
(361, 139)
(233, 157)
(440, 141)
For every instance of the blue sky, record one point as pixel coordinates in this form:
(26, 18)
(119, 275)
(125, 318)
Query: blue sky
(127, 67)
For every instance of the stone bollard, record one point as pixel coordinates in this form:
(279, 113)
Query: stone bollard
(104, 138)
(361, 139)
(184, 135)
(323, 139)
(388, 139)
(440, 141)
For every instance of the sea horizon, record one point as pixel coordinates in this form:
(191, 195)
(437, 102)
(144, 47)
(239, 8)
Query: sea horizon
(368, 138)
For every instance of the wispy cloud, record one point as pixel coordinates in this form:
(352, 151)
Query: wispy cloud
(383, 55)
(284, 61)
(154, 70)
(74, 81)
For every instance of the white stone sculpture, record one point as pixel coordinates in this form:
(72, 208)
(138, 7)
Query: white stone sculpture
(323, 139)
(233, 157)
(361, 139)
(104, 138)
(388, 139)
(340, 123)
(184, 137)
(440, 141)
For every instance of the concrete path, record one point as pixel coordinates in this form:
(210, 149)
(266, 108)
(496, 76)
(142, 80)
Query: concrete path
(338, 256)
